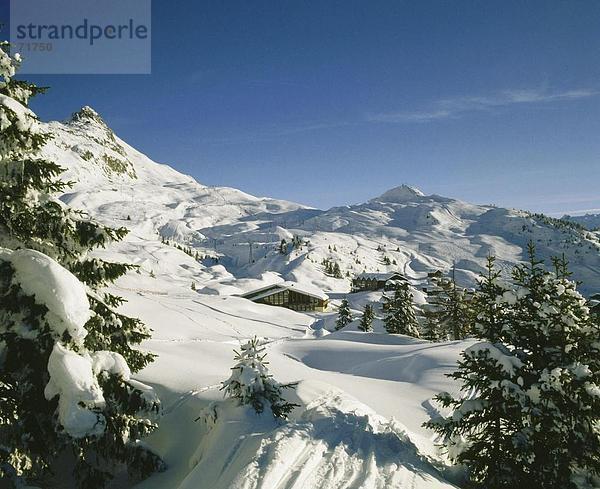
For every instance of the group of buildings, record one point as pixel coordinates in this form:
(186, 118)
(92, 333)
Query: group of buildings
(303, 298)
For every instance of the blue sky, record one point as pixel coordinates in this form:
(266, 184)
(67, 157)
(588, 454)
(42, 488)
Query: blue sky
(330, 103)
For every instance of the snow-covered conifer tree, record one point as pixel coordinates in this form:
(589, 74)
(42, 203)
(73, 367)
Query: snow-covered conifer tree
(478, 433)
(400, 312)
(456, 317)
(344, 315)
(366, 321)
(448, 314)
(251, 383)
(562, 376)
(435, 306)
(430, 327)
(66, 354)
(283, 247)
(532, 412)
(490, 315)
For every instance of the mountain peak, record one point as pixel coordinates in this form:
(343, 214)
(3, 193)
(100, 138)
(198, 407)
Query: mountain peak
(403, 193)
(87, 114)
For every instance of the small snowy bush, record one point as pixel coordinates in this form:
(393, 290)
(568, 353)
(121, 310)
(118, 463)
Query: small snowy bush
(251, 383)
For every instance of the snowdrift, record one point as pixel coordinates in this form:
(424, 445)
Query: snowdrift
(331, 442)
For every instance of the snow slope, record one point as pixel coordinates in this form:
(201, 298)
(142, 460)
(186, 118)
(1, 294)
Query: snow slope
(352, 385)
(332, 441)
(363, 396)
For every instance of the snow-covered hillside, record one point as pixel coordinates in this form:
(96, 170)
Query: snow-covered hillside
(403, 229)
(362, 396)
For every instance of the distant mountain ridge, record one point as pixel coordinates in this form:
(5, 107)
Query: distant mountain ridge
(403, 229)
(589, 221)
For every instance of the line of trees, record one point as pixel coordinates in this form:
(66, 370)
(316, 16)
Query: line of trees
(448, 314)
(530, 411)
(332, 268)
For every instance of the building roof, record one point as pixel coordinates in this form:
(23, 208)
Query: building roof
(384, 277)
(268, 290)
(261, 292)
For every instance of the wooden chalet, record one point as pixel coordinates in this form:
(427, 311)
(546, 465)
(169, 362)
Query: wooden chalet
(290, 295)
(375, 281)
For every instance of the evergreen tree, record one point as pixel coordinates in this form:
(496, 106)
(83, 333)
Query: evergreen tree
(251, 383)
(449, 315)
(431, 327)
(456, 318)
(366, 321)
(554, 327)
(297, 242)
(489, 314)
(40, 236)
(344, 315)
(533, 410)
(400, 308)
(283, 247)
(433, 310)
(336, 271)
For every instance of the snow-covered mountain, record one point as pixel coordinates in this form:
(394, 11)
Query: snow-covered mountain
(402, 229)
(113, 180)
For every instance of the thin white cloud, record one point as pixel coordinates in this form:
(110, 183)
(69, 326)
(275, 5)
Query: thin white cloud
(273, 133)
(455, 107)
(442, 109)
(577, 212)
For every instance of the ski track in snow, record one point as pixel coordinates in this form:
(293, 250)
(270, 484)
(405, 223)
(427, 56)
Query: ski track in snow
(246, 318)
